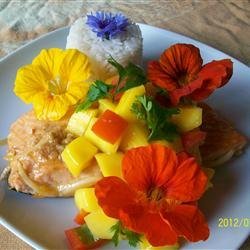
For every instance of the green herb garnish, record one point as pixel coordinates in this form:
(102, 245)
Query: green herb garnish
(97, 90)
(132, 75)
(156, 117)
(132, 237)
(85, 234)
(129, 77)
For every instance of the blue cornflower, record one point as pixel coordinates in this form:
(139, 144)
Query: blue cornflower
(107, 25)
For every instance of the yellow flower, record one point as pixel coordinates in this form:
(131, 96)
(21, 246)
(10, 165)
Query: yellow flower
(55, 81)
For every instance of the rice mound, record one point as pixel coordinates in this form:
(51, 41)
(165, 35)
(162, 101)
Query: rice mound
(125, 48)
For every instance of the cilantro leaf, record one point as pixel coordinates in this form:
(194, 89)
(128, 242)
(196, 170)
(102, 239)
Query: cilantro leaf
(132, 237)
(117, 231)
(97, 90)
(85, 234)
(156, 117)
(132, 75)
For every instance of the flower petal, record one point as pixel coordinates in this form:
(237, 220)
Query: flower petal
(48, 107)
(75, 66)
(185, 90)
(188, 221)
(188, 183)
(150, 166)
(213, 75)
(113, 194)
(49, 60)
(157, 231)
(30, 80)
(159, 77)
(181, 60)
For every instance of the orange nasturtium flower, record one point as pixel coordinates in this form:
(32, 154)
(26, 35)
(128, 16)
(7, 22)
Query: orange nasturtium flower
(54, 81)
(158, 197)
(180, 72)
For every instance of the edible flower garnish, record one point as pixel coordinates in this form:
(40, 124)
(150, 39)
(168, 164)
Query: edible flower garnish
(156, 117)
(158, 195)
(180, 72)
(107, 25)
(129, 77)
(55, 80)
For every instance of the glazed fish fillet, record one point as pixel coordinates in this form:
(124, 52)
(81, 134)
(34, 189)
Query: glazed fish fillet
(222, 142)
(34, 156)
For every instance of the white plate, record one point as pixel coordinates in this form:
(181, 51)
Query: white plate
(41, 222)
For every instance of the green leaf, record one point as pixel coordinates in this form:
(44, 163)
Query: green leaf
(117, 230)
(97, 90)
(132, 237)
(156, 117)
(85, 234)
(131, 75)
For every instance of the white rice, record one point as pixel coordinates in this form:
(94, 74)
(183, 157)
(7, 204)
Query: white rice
(125, 48)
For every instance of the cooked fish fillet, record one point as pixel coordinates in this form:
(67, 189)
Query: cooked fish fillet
(222, 142)
(34, 155)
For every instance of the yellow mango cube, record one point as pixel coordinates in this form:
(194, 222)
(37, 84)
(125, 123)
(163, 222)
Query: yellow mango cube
(79, 121)
(103, 145)
(128, 98)
(136, 135)
(110, 164)
(86, 200)
(99, 224)
(176, 145)
(105, 104)
(145, 245)
(190, 117)
(78, 154)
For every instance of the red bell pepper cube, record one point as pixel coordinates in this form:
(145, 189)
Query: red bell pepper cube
(80, 238)
(110, 126)
(79, 218)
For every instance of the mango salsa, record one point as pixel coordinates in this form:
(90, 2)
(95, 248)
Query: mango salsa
(128, 98)
(78, 154)
(176, 145)
(85, 199)
(135, 136)
(103, 145)
(79, 121)
(110, 126)
(110, 164)
(105, 104)
(145, 245)
(190, 117)
(99, 224)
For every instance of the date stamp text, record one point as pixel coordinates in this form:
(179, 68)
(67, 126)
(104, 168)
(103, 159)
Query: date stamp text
(233, 222)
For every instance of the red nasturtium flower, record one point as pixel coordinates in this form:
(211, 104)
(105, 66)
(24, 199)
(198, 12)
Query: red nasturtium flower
(158, 195)
(180, 72)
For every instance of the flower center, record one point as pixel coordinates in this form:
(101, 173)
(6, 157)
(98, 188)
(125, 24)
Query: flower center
(155, 194)
(57, 86)
(183, 79)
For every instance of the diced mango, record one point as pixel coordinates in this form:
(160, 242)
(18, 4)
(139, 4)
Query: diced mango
(78, 154)
(128, 98)
(99, 224)
(190, 117)
(79, 121)
(110, 164)
(145, 245)
(135, 136)
(105, 104)
(176, 145)
(86, 200)
(103, 145)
